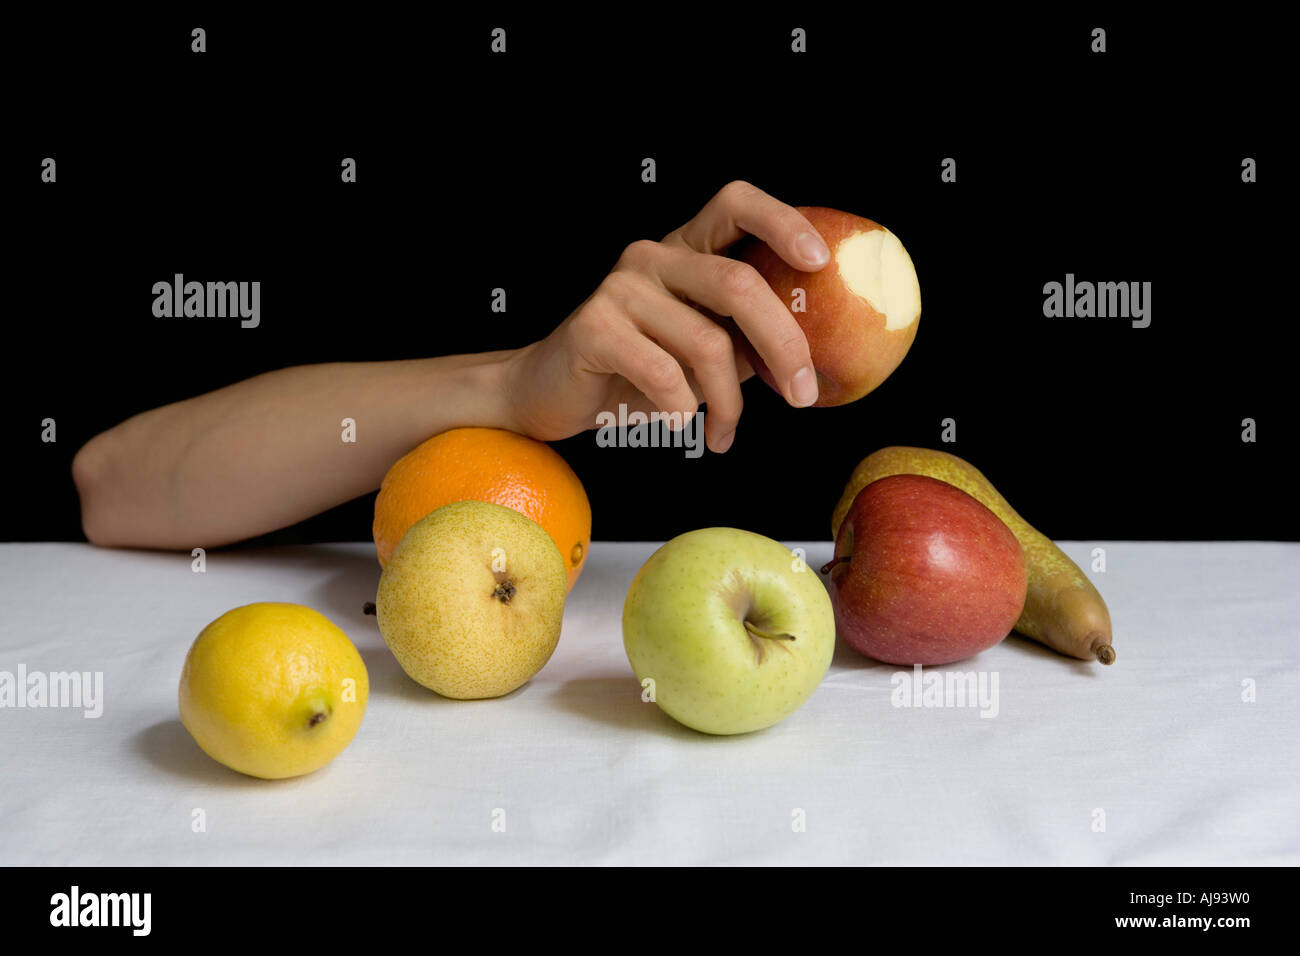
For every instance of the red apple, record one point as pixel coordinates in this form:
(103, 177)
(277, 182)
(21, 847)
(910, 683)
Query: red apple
(924, 573)
(859, 313)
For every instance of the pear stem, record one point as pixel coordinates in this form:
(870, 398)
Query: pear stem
(1099, 644)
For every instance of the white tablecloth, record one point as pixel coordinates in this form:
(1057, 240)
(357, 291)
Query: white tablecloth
(1155, 760)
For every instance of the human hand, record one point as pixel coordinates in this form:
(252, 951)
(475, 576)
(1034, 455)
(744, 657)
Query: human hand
(650, 336)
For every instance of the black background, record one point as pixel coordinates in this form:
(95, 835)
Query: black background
(523, 171)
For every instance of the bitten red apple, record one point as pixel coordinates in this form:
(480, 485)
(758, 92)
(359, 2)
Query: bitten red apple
(859, 313)
(924, 574)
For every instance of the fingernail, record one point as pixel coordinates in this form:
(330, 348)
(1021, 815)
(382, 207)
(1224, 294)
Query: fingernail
(724, 442)
(811, 249)
(803, 387)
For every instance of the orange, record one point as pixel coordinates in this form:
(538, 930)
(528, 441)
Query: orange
(486, 464)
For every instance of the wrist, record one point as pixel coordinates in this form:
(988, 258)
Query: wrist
(487, 390)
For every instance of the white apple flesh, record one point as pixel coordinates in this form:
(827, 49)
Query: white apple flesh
(735, 631)
(875, 266)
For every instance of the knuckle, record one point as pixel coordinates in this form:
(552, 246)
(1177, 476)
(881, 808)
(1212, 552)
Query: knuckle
(712, 344)
(596, 320)
(737, 191)
(738, 280)
(793, 347)
(663, 375)
(616, 287)
(638, 253)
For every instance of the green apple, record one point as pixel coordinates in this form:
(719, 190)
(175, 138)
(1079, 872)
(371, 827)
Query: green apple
(734, 629)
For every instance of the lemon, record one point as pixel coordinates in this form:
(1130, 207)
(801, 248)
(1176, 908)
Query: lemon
(273, 690)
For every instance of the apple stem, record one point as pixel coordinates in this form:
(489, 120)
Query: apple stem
(826, 568)
(756, 632)
(317, 717)
(368, 607)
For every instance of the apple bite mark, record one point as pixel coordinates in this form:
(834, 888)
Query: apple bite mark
(877, 269)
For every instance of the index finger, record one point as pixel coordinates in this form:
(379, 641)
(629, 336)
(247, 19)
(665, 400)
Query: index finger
(740, 209)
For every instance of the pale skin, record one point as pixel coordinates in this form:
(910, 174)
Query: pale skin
(265, 453)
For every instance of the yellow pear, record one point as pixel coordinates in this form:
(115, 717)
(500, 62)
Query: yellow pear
(1063, 609)
(471, 600)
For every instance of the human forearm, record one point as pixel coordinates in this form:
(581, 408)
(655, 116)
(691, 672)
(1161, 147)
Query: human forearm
(267, 452)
